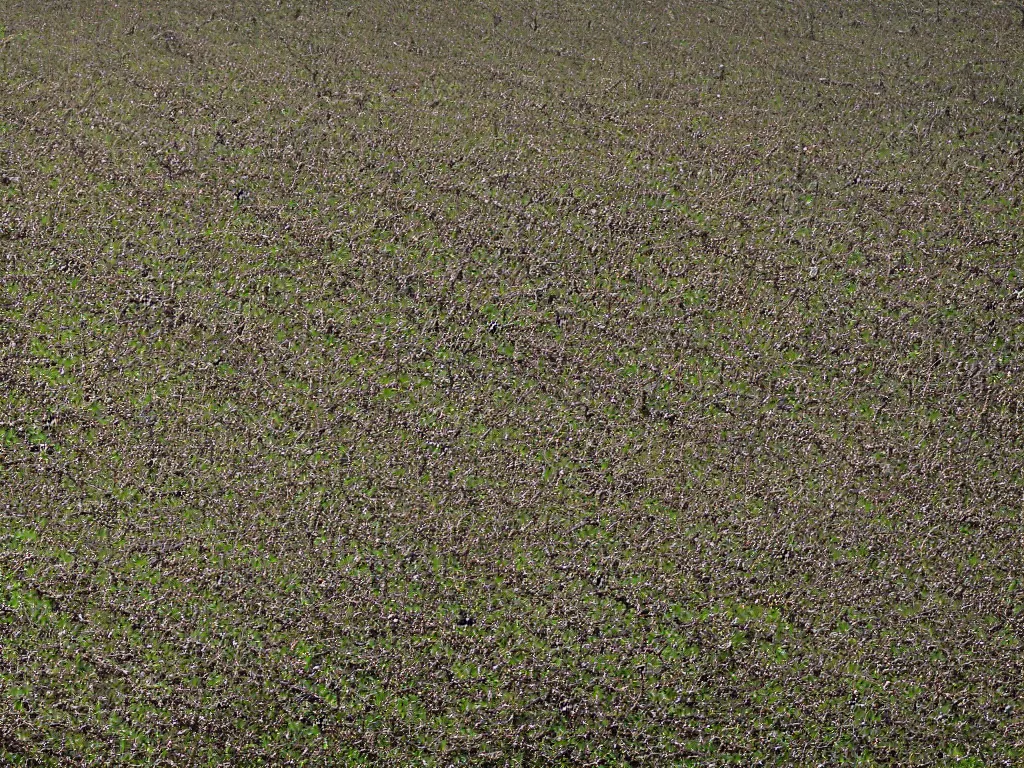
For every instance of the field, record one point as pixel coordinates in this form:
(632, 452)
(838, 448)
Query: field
(548, 383)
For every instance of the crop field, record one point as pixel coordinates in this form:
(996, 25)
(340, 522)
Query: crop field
(483, 383)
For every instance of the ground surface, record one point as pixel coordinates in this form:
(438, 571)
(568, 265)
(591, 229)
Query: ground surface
(491, 384)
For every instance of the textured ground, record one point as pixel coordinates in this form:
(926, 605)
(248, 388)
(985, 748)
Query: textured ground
(511, 384)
